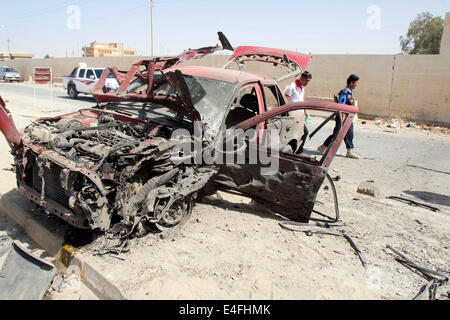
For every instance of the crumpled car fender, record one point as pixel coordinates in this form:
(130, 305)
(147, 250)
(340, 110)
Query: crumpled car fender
(8, 127)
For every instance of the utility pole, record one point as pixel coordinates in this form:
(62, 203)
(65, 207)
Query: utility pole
(9, 48)
(151, 15)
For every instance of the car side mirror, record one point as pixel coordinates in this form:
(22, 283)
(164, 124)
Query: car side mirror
(92, 77)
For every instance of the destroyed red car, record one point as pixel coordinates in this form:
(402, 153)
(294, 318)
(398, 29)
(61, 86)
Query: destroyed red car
(111, 165)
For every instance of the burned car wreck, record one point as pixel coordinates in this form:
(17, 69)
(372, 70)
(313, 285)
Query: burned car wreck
(110, 167)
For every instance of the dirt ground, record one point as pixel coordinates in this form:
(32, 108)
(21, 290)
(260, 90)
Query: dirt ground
(234, 249)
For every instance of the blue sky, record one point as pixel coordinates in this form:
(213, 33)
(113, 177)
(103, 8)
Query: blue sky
(319, 26)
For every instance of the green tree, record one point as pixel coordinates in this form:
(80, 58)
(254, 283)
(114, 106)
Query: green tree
(47, 56)
(424, 35)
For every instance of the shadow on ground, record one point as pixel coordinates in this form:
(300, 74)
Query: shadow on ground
(243, 208)
(431, 197)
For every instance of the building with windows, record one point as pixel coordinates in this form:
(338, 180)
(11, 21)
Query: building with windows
(98, 49)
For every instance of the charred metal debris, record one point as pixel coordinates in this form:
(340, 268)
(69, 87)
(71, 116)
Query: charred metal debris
(323, 227)
(107, 171)
(414, 203)
(319, 228)
(435, 279)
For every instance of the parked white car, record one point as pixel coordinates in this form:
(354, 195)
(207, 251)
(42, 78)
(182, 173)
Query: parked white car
(83, 79)
(9, 74)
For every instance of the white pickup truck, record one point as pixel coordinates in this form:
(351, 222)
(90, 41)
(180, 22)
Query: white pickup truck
(83, 79)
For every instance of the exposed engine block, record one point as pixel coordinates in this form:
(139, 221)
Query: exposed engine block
(110, 170)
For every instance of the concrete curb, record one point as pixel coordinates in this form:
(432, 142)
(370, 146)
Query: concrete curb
(36, 231)
(53, 245)
(95, 281)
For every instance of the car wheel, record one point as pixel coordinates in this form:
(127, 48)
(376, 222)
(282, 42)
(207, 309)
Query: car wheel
(176, 216)
(73, 93)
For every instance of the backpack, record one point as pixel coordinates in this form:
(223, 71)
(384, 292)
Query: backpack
(350, 100)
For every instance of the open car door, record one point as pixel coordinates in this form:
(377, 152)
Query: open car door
(292, 184)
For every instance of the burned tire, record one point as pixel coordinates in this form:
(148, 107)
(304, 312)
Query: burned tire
(72, 92)
(175, 216)
(137, 86)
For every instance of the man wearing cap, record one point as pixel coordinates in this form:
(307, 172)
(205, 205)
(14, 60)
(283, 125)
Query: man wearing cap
(345, 97)
(296, 93)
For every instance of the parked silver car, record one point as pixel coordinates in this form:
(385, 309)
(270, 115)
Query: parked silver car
(9, 74)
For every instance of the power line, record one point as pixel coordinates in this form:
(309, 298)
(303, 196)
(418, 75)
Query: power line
(39, 12)
(98, 23)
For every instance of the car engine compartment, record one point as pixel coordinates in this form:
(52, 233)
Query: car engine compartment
(104, 171)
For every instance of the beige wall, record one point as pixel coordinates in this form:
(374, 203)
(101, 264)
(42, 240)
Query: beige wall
(412, 87)
(421, 88)
(330, 73)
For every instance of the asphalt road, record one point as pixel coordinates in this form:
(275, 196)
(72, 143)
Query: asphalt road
(39, 97)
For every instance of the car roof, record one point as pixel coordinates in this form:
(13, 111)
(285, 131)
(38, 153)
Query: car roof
(225, 75)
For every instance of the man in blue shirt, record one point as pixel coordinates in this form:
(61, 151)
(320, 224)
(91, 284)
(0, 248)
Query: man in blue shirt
(345, 97)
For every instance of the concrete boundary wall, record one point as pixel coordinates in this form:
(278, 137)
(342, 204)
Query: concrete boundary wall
(421, 88)
(415, 88)
(330, 73)
(64, 66)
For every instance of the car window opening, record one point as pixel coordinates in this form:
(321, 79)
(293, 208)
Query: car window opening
(291, 132)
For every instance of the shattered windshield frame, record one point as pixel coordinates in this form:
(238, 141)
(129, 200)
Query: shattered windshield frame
(210, 97)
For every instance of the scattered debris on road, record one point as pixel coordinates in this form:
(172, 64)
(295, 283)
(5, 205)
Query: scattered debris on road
(414, 203)
(24, 276)
(369, 188)
(57, 284)
(309, 231)
(393, 124)
(435, 279)
(427, 169)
